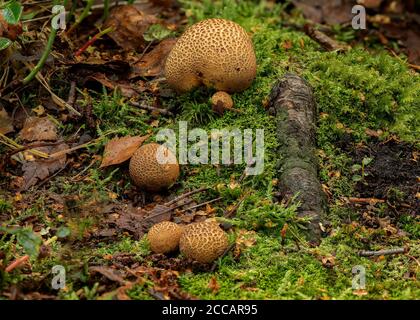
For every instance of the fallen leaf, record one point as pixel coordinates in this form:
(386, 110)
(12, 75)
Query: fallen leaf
(153, 62)
(6, 123)
(38, 129)
(40, 169)
(126, 89)
(326, 11)
(213, 285)
(109, 273)
(129, 25)
(328, 261)
(119, 150)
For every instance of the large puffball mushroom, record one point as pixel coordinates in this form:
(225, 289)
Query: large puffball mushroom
(153, 167)
(164, 237)
(203, 241)
(215, 52)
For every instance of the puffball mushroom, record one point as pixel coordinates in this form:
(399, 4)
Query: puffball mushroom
(222, 101)
(164, 237)
(147, 170)
(203, 241)
(217, 53)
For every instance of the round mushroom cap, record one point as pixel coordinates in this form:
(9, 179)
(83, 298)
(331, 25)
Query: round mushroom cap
(153, 167)
(221, 101)
(203, 241)
(215, 52)
(164, 237)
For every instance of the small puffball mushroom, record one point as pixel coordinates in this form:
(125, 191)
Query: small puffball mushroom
(203, 241)
(164, 237)
(222, 101)
(217, 53)
(153, 167)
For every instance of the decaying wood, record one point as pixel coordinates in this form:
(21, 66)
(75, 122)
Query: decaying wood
(382, 252)
(293, 106)
(325, 41)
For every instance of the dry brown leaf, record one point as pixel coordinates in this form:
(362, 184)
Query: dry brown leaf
(109, 273)
(153, 62)
(126, 89)
(119, 150)
(129, 25)
(213, 285)
(40, 169)
(38, 129)
(6, 123)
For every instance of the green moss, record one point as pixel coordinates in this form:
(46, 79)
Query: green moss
(354, 90)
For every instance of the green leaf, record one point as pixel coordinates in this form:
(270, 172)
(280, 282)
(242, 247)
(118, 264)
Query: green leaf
(356, 178)
(366, 161)
(63, 232)
(156, 32)
(4, 43)
(356, 167)
(12, 12)
(29, 240)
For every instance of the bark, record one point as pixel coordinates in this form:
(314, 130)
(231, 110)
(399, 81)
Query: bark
(293, 106)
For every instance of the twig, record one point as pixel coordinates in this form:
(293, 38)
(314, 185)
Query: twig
(150, 108)
(185, 195)
(18, 262)
(92, 40)
(72, 93)
(14, 145)
(232, 211)
(168, 210)
(365, 200)
(325, 41)
(201, 204)
(228, 249)
(382, 252)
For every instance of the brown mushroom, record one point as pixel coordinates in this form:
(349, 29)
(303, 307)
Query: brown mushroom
(215, 52)
(148, 171)
(222, 101)
(164, 237)
(203, 241)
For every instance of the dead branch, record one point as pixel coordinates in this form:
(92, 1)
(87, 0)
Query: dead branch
(325, 41)
(382, 252)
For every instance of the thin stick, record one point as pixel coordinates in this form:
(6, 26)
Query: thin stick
(382, 252)
(325, 41)
(201, 204)
(150, 108)
(365, 200)
(231, 212)
(228, 249)
(92, 40)
(168, 210)
(18, 262)
(184, 195)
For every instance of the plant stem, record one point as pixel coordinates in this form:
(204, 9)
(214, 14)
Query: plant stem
(45, 54)
(92, 40)
(44, 57)
(84, 14)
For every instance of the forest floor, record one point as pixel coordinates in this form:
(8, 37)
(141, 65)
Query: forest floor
(86, 217)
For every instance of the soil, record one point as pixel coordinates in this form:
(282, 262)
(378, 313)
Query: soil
(392, 176)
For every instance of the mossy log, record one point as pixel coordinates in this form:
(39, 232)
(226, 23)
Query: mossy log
(293, 106)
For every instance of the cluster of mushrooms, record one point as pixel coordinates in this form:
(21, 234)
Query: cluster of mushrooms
(219, 54)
